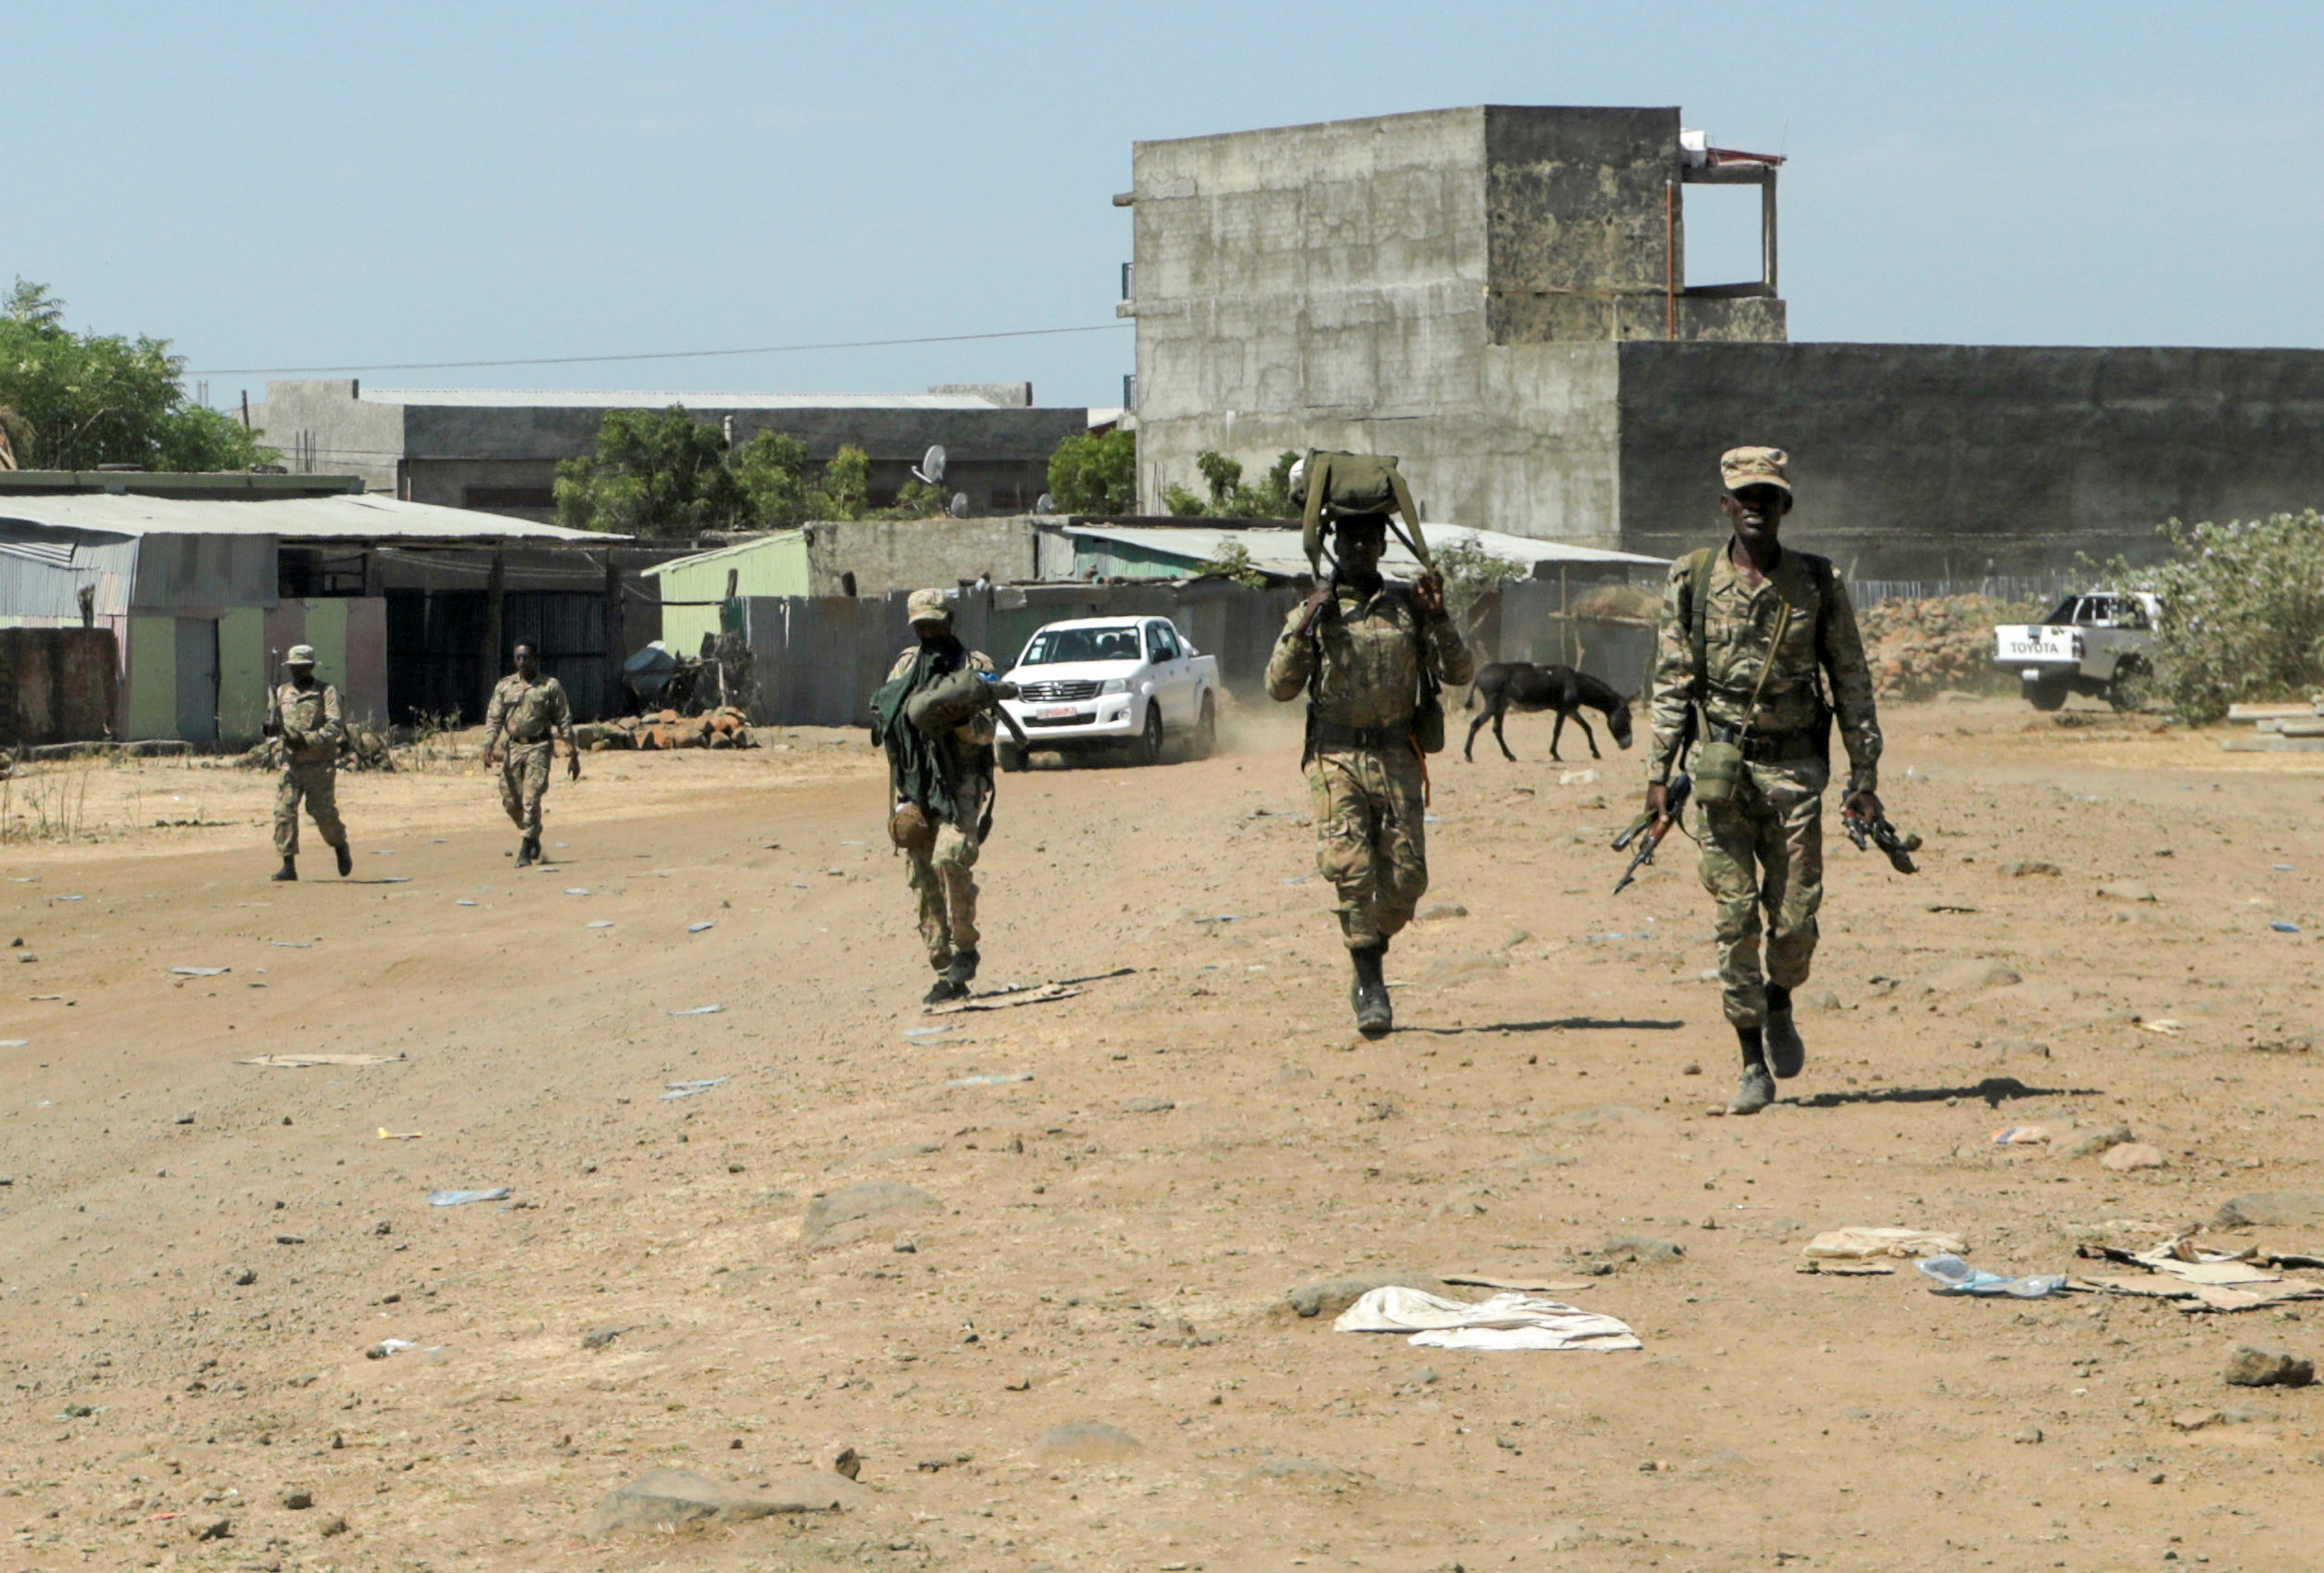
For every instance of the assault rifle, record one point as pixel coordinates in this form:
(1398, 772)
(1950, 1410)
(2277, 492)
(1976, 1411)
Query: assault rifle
(1878, 832)
(1642, 830)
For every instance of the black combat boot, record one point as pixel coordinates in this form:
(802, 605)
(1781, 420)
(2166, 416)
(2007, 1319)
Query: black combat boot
(944, 990)
(524, 853)
(289, 868)
(1756, 1088)
(347, 860)
(1786, 1054)
(1374, 1016)
(963, 969)
(533, 849)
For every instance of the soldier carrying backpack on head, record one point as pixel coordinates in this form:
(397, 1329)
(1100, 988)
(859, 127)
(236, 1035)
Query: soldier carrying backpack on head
(1370, 653)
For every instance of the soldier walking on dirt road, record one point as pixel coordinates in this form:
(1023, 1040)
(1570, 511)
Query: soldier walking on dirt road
(530, 712)
(1751, 635)
(304, 715)
(1359, 645)
(933, 716)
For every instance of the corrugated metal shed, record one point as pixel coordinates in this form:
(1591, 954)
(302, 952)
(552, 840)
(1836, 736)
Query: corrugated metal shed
(351, 518)
(43, 570)
(1173, 551)
(770, 565)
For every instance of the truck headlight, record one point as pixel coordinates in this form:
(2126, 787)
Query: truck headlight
(1114, 685)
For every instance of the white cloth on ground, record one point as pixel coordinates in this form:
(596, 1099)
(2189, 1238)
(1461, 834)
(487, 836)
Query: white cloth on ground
(1505, 1321)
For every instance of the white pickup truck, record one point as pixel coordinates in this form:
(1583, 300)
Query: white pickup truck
(1110, 683)
(2097, 643)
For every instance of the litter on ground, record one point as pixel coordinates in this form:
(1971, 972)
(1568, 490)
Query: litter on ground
(699, 927)
(1003, 999)
(990, 1078)
(1505, 1321)
(300, 1061)
(1860, 1241)
(670, 1089)
(1956, 1276)
(200, 972)
(461, 1198)
(698, 1010)
(386, 1135)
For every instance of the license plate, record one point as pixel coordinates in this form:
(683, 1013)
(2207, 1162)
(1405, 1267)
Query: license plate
(1055, 712)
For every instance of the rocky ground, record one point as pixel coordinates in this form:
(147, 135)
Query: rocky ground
(1034, 1268)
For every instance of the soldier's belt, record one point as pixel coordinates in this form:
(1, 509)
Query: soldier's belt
(1331, 734)
(1767, 747)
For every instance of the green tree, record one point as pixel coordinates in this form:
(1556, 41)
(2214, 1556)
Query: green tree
(845, 491)
(771, 469)
(1232, 561)
(1222, 475)
(1229, 498)
(2242, 612)
(658, 473)
(1182, 502)
(79, 400)
(1095, 472)
(1470, 573)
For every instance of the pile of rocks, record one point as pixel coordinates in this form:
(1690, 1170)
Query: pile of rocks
(1918, 648)
(724, 727)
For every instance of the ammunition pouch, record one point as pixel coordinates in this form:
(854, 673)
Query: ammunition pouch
(1324, 735)
(911, 830)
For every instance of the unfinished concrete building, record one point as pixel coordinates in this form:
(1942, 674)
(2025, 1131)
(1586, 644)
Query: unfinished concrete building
(1497, 295)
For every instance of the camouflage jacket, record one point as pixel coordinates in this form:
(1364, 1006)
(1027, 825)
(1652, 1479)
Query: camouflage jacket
(308, 723)
(527, 712)
(1371, 649)
(973, 738)
(1820, 634)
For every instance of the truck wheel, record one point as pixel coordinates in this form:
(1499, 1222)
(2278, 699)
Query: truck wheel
(1206, 731)
(2045, 693)
(2132, 683)
(1011, 757)
(1148, 750)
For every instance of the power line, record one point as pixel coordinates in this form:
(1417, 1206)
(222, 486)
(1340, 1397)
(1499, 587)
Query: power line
(653, 355)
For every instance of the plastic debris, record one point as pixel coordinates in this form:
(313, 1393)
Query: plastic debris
(698, 1010)
(200, 972)
(2282, 927)
(461, 1198)
(990, 1078)
(576, 892)
(699, 927)
(463, 901)
(300, 1061)
(602, 922)
(1956, 1276)
(386, 1135)
(14, 1042)
(2022, 1136)
(291, 944)
(1505, 1321)
(672, 1090)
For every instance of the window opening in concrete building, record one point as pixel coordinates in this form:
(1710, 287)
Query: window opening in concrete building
(1723, 235)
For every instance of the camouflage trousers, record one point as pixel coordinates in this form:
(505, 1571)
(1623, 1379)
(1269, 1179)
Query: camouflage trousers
(318, 785)
(1370, 840)
(940, 867)
(524, 782)
(1763, 851)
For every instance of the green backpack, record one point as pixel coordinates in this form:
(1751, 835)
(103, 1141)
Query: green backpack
(1332, 483)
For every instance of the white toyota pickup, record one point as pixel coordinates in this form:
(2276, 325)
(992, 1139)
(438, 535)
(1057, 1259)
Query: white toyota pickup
(1112, 682)
(2097, 643)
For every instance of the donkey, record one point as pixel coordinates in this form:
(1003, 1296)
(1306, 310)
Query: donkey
(1526, 686)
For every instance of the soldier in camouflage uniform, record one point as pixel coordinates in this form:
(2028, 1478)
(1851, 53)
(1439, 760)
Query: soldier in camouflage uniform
(1762, 849)
(933, 716)
(1358, 646)
(304, 715)
(529, 711)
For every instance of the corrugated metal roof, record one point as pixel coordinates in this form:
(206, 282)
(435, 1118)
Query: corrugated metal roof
(1277, 551)
(740, 548)
(614, 398)
(352, 517)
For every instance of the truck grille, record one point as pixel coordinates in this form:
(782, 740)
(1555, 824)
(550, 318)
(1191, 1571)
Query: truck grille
(1060, 691)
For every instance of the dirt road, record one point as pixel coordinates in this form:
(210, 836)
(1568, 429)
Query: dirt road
(196, 1253)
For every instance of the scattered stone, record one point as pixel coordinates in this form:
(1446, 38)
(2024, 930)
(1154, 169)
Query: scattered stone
(1443, 909)
(847, 1215)
(2098, 1142)
(1334, 1295)
(1820, 999)
(668, 1499)
(2004, 1049)
(1604, 1119)
(184, 1119)
(2126, 890)
(2247, 1415)
(2029, 868)
(1626, 1249)
(1148, 1105)
(1087, 1441)
(2194, 1419)
(847, 1463)
(207, 1529)
(2253, 1366)
(298, 1499)
(2128, 1155)
(1294, 1469)
(2030, 1437)
(333, 1526)
(2271, 1210)
(246, 1278)
(598, 1338)
(1968, 975)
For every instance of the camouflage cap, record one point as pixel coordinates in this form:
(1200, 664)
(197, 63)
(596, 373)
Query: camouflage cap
(301, 655)
(928, 606)
(1741, 467)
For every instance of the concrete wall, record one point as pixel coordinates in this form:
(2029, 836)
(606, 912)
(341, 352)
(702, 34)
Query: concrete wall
(1446, 286)
(886, 555)
(1952, 461)
(324, 428)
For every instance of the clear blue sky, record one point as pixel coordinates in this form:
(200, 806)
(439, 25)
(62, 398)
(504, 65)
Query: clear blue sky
(274, 184)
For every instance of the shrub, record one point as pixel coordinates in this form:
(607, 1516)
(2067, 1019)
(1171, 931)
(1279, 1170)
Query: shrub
(2242, 612)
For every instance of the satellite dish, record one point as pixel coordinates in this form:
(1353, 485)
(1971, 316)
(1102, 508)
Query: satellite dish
(959, 509)
(1045, 504)
(931, 471)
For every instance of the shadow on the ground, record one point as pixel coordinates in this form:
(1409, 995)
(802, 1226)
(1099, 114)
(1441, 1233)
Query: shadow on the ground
(1561, 1024)
(1995, 1089)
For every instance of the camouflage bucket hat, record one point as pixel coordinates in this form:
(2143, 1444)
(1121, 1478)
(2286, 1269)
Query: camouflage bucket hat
(1741, 467)
(301, 655)
(928, 606)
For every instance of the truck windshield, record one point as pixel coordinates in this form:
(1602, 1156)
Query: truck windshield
(2064, 613)
(1052, 645)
